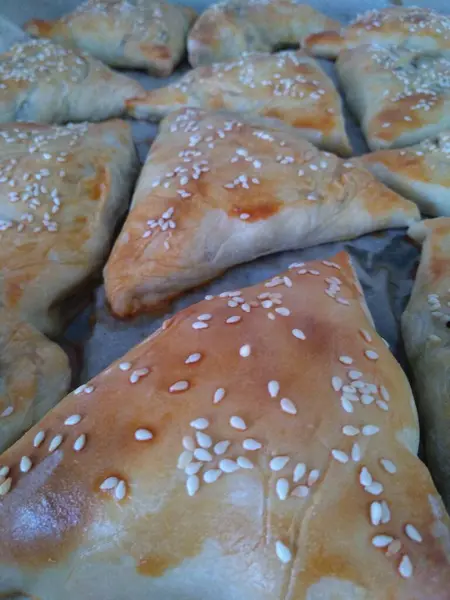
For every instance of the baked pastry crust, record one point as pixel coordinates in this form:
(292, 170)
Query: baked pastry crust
(139, 34)
(400, 96)
(216, 191)
(34, 376)
(416, 28)
(420, 172)
(46, 83)
(228, 29)
(237, 459)
(289, 86)
(425, 326)
(62, 193)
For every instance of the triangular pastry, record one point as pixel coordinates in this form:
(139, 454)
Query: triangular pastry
(400, 96)
(417, 28)
(420, 172)
(258, 454)
(138, 34)
(217, 190)
(426, 331)
(228, 29)
(44, 82)
(62, 192)
(289, 86)
(34, 376)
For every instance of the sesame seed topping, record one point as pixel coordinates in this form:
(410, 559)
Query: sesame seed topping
(219, 395)
(143, 435)
(221, 447)
(346, 360)
(337, 383)
(375, 513)
(283, 311)
(211, 475)
(202, 455)
(192, 485)
(283, 552)
(371, 355)
(199, 325)
(179, 386)
(25, 464)
(288, 406)
(251, 444)
(388, 465)
(203, 440)
(366, 335)
(188, 443)
(193, 468)
(72, 420)
(55, 443)
(298, 333)
(405, 567)
(355, 374)
(245, 350)
(382, 541)
(38, 439)
(346, 404)
(282, 488)
(200, 423)
(350, 431)
(384, 393)
(278, 462)
(365, 478)
(79, 443)
(386, 513)
(370, 430)
(238, 423)
(109, 483)
(412, 533)
(5, 486)
(228, 466)
(233, 319)
(246, 307)
(204, 317)
(313, 477)
(4, 471)
(339, 456)
(274, 388)
(125, 366)
(356, 452)
(374, 488)
(244, 462)
(382, 404)
(193, 358)
(8, 410)
(121, 490)
(301, 491)
(137, 374)
(367, 399)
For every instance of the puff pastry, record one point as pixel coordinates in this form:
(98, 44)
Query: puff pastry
(283, 482)
(289, 86)
(400, 96)
(419, 172)
(420, 29)
(139, 34)
(216, 191)
(34, 376)
(425, 325)
(62, 192)
(46, 83)
(228, 29)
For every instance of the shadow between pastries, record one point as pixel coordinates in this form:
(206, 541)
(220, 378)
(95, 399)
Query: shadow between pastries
(216, 191)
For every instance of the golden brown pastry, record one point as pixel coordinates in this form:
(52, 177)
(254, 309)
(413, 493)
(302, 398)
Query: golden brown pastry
(62, 193)
(216, 191)
(426, 330)
(34, 376)
(261, 445)
(417, 28)
(400, 96)
(289, 86)
(228, 29)
(138, 34)
(420, 172)
(47, 83)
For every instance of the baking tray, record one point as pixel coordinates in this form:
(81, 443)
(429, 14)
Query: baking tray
(385, 261)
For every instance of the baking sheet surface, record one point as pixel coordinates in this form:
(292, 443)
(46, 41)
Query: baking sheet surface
(385, 261)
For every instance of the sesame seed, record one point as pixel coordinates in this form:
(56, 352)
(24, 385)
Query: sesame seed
(339, 456)
(393, 548)
(137, 374)
(365, 478)
(382, 404)
(245, 350)
(298, 333)
(244, 216)
(274, 388)
(55, 443)
(228, 466)
(193, 468)
(366, 335)
(301, 491)
(199, 325)
(350, 431)
(282, 488)
(193, 358)
(192, 485)
(7, 412)
(356, 452)
(367, 399)
(246, 307)
(188, 443)
(299, 472)
(386, 513)
(238, 423)
(38, 439)
(350, 390)
(374, 488)
(202, 455)
(346, 360)
(283, 311)
(204, 317)
(211, 475)
(221, 447)
(79, 443)
(4, 471)
(375, 513)
(384, 393)
(313, 477)
(143, 435)
(371, 355)
(72, 420)
(234, 319)
(125, 366)
(388, 465)
(288, 406)
(337, 383)
(179, 386)
(355, 374)
(346, 404)
(244, 462)
(219, 395)
(121, 490)
(251, 444)
(278, 462)
(271, 316)
(5, 486)
(200, 423)
(412, 533)
(25, 464)
(283, 552)
(203, 440)
(405, 567)
(109, 483)
(370, 430)
(382, 541)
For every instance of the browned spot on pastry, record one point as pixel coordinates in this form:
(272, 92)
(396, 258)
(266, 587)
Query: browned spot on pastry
(401, 116)
(323, 122)
(255, 213)
(156, 52)
(154, 565)
(324, 37)
(408, 164)
(98, 185)
(39, 27)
